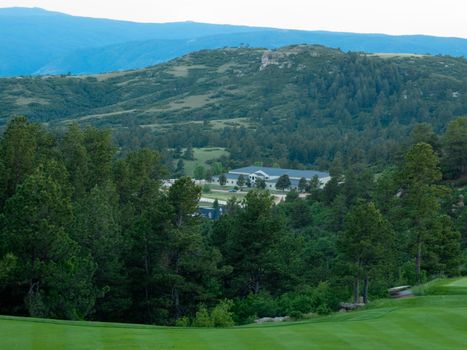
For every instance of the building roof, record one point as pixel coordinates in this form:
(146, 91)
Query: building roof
(231, 176)
(308, 174)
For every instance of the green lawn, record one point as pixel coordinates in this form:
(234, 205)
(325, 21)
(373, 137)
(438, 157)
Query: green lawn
(202, 155)
(459, 283)
(426, 322)
(224, 196)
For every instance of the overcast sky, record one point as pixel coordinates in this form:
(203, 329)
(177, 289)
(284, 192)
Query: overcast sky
(433, 17)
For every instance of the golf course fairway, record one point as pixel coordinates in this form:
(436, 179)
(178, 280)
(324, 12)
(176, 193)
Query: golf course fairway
(436, 320)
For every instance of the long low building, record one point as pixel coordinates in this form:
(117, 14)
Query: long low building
(271, 175)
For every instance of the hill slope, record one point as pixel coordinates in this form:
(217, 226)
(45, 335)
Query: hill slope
(299, 102)
(428, 322)
(243, 82)
(36, 41)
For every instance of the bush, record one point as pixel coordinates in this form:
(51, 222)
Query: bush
(291, 196)
(206, 188)
(296, 302)
(323, 309)
(324, 295)
(183, 322)
(221, 315)
(296, 315)
(255, 306)
(202, 319)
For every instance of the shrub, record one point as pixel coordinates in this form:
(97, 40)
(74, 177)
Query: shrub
(323, 309)
(254, 306)
(291, 196)
(301, 302)
(202, 318)
(221, 315)
(183, 322)
(296, 315)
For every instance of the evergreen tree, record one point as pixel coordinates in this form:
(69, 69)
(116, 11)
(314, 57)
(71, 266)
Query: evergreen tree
(283, 182)
(208, 175)
(216, 168)
(366, 245)
(184, 196)
(443, 252)
(76, 159)
(241, 181)
(454, 142)
(302, 185)
(199, 172)
(260, 183)
(180, 169)
(96, 227)
(177, 152)
(418, 177)
(424, 133)
(101, 151)
(19, 152)
(51, 277)
(222, 180)
(250, 243)
(189, 153)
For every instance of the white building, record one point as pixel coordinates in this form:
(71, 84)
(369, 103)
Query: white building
(271, 175)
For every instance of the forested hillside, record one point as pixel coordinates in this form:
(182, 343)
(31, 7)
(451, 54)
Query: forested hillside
(296, 106)
(88, 234)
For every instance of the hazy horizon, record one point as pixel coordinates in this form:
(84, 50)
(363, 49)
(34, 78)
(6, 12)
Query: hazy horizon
(359, 16)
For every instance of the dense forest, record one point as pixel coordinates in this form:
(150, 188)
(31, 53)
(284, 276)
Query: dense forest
(90, 232)
(299, 106)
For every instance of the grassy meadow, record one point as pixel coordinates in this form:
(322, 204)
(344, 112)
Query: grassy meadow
(202, 156)
(422, 322)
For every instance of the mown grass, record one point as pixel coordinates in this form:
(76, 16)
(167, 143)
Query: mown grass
(425, 322)
(224, 195)
(202, 156)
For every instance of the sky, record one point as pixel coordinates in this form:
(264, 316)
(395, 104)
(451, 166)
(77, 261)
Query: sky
(431, 17)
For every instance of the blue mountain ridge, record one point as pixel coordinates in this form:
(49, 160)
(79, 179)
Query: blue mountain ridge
(35, 41)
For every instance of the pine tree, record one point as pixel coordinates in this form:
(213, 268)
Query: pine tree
(418, 177)
(199, 172)
(249, 239)
(454, 142)
(52, 277)
(180, 169)
(366, 245)
(260, 183)
(283, 182)
(241, 181)
(302, 184)
(189, 153)
(222, 180)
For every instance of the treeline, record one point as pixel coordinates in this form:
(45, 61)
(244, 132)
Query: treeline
(88, 234)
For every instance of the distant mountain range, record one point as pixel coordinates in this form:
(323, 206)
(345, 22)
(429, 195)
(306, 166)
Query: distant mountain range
(35, 41)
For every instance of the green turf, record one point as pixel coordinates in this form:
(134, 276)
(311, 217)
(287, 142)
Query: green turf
(426, 322)
(202, 155)
(459, 283)
(224, 196)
